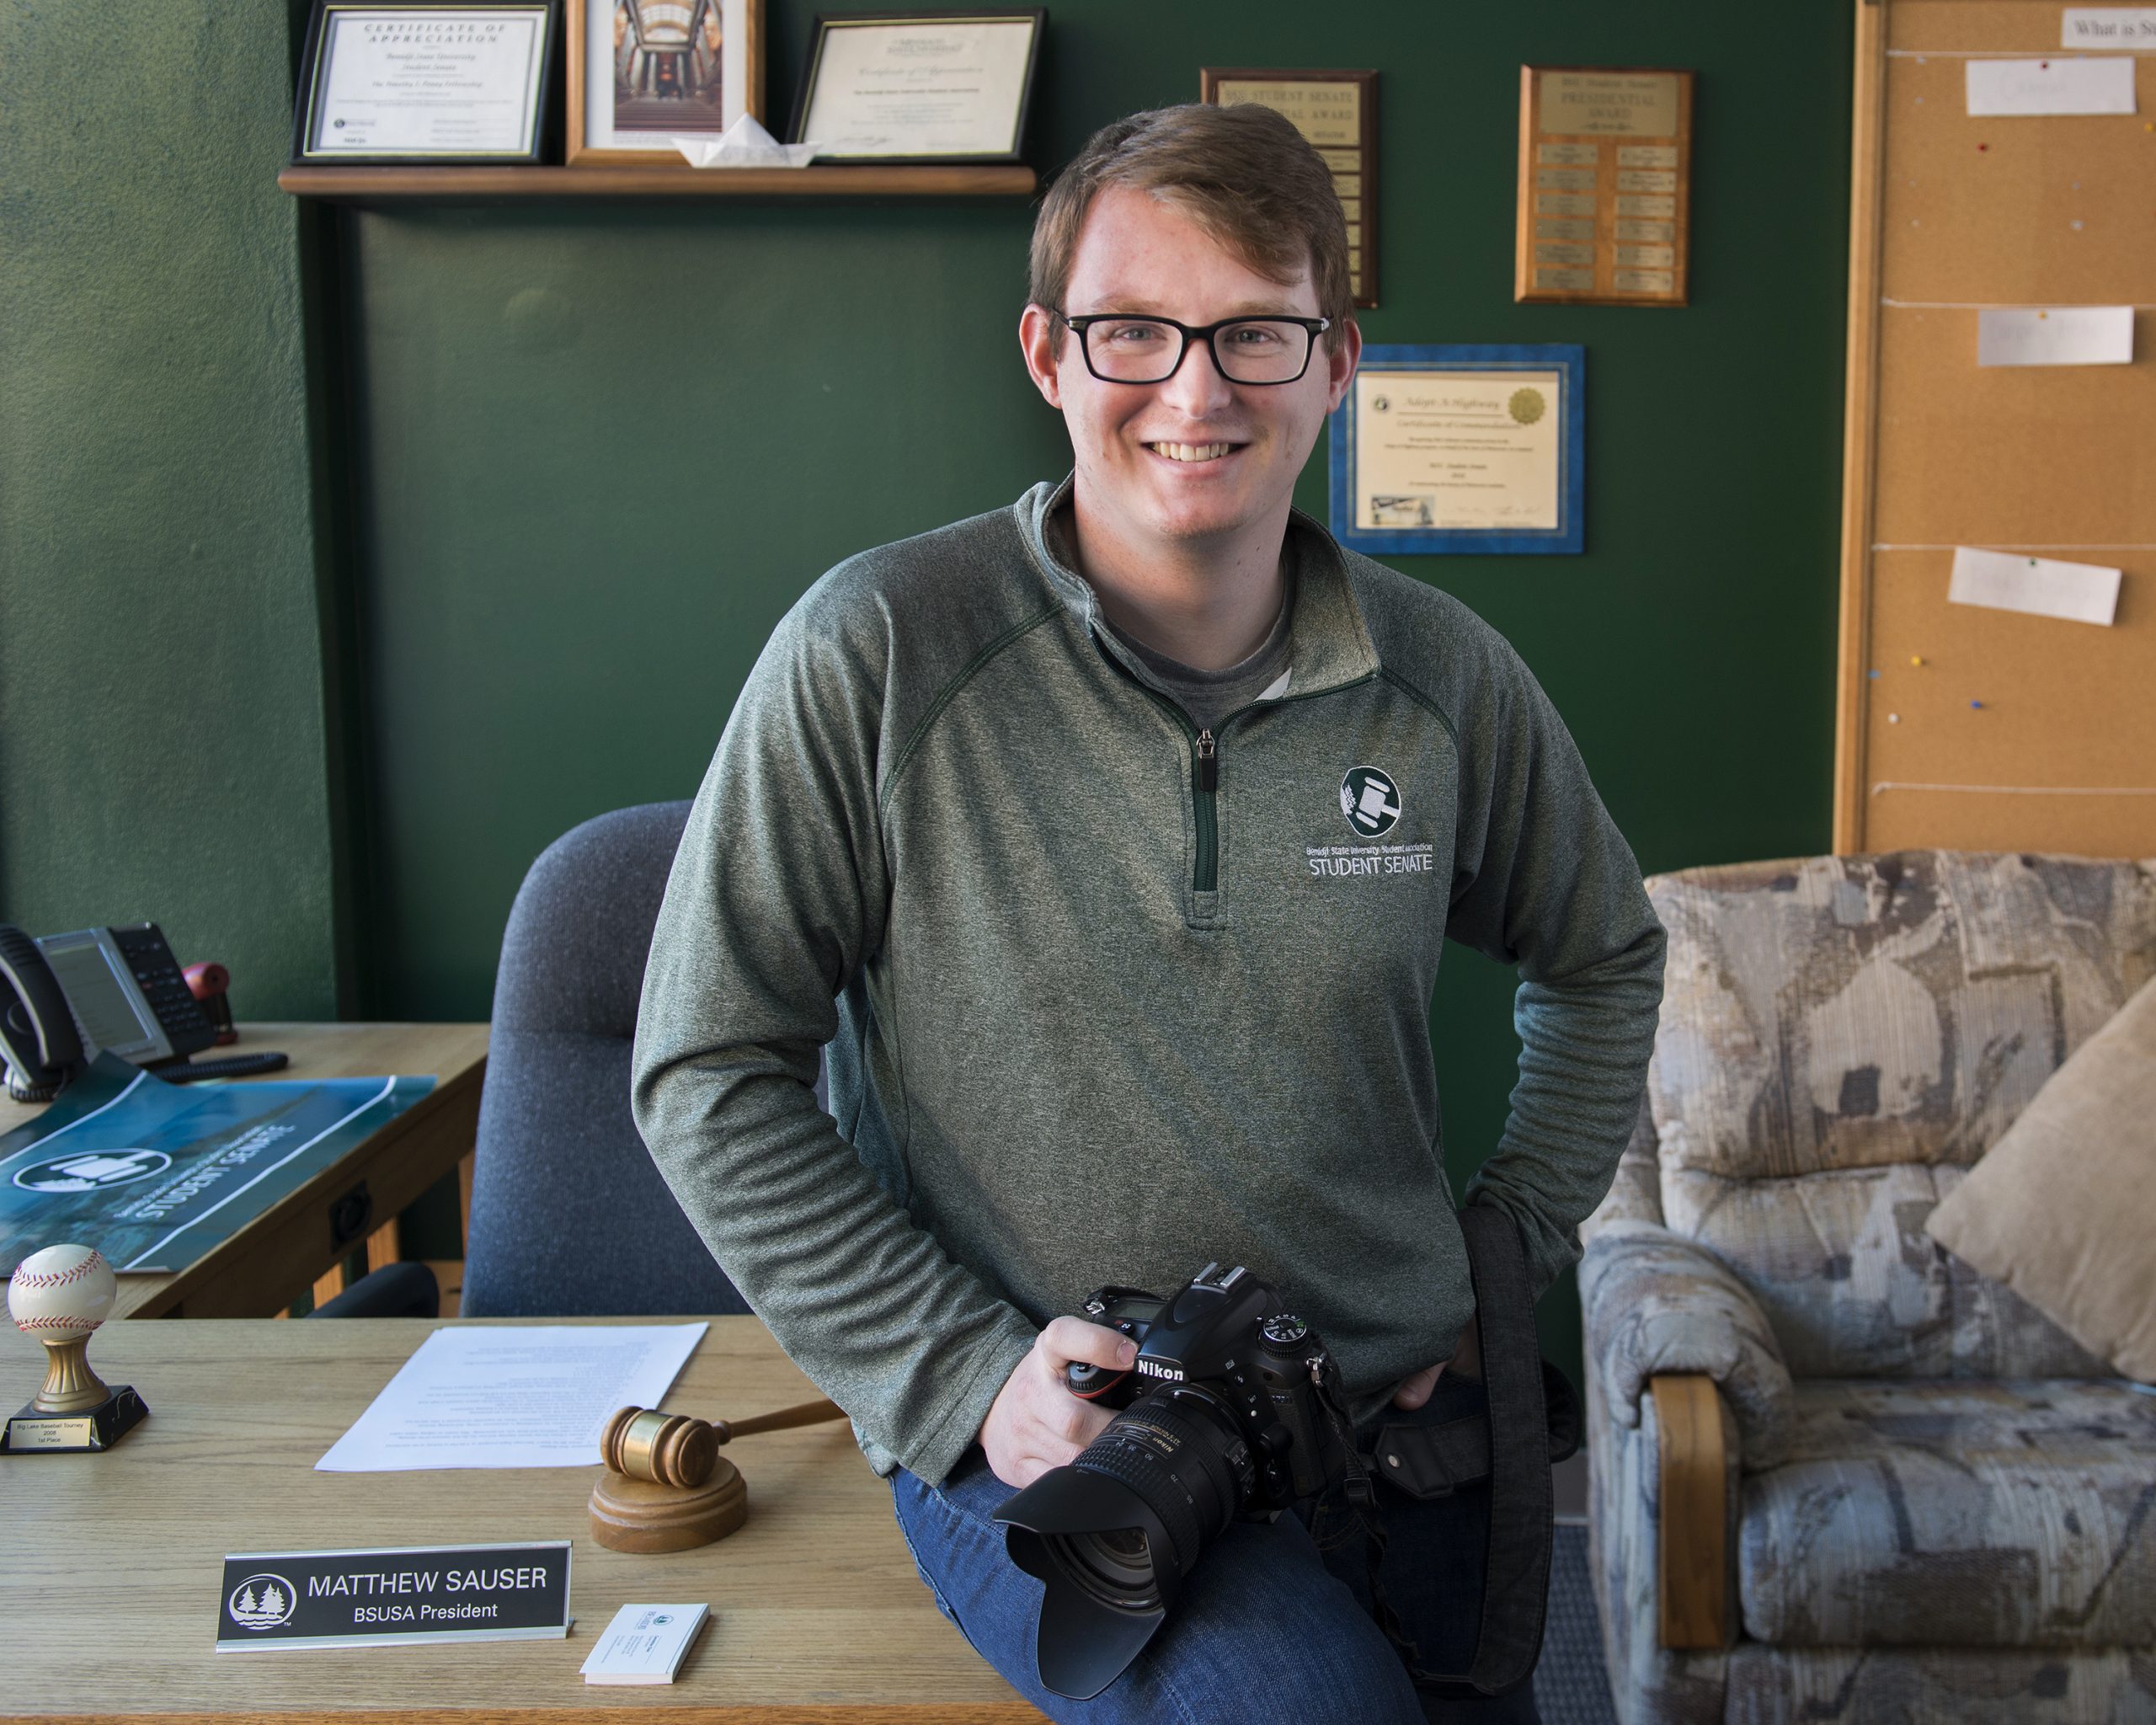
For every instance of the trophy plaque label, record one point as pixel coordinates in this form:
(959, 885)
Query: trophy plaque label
(30, 1432)
(34, 1431)
(396, 1597)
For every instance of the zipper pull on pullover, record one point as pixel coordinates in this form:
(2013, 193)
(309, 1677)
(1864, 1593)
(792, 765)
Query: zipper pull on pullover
(1209, 762)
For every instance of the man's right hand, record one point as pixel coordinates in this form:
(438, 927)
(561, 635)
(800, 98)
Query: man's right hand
(1037, 1423)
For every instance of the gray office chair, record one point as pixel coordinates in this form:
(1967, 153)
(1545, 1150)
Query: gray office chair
(569, 1217)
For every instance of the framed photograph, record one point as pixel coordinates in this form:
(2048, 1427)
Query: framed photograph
(1447, 450)
(919, 87)
(417, 83)
(643, 72)
(1605, 186)
(1337, 111)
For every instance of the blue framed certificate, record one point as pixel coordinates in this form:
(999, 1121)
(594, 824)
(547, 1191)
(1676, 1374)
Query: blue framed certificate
(1446, 450)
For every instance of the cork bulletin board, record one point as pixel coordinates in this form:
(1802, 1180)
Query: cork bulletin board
(1958, 725)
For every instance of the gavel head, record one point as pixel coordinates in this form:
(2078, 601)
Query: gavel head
(670, 1449)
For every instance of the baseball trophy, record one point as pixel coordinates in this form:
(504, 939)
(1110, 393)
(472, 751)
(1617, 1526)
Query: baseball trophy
(666, 1487)
(60, 1295)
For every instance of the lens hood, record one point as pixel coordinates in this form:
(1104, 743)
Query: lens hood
(1084, 1642)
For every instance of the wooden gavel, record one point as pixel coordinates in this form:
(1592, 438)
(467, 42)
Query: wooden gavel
(679, 1450)
(666, 1487)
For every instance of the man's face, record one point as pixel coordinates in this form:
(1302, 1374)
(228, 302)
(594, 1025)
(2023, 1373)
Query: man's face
(1196, 457)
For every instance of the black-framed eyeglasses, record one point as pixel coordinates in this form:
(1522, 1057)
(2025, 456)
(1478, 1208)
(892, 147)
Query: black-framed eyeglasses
(1264, 351)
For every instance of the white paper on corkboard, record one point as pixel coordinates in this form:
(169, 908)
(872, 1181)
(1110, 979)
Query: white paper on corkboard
(2042, 586)
(2075, 85)
(2108, 27)
(2056, 335)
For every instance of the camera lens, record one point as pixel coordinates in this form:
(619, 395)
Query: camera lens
(1114, 1533)
(1115, 1568)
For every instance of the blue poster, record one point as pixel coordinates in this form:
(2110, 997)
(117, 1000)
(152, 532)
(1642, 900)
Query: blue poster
(155, 1174)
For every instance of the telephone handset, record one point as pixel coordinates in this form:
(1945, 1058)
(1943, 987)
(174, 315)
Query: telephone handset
(70, 995)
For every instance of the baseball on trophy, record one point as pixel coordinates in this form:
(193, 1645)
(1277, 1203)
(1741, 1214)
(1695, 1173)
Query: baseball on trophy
(60, 1295)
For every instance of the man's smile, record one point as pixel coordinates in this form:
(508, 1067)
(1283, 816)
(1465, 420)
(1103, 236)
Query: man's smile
(1193, 452)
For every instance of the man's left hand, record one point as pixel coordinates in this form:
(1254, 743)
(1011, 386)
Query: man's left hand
(1466, 1360)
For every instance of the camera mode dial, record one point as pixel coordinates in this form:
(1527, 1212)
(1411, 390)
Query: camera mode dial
(1283, 1332)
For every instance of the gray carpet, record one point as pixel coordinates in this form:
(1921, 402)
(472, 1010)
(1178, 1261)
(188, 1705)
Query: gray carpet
(1571, 1685)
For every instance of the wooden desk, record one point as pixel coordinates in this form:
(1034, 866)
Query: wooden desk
(110, 1565)
(279, 1256)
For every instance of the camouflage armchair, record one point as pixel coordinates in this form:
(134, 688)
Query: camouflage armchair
(1837, 1474)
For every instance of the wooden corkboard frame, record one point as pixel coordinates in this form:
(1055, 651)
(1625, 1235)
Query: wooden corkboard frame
(1608, 186)
(576, 153)
(1957, 726)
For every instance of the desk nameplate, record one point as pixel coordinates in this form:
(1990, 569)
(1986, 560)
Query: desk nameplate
(394, 1596)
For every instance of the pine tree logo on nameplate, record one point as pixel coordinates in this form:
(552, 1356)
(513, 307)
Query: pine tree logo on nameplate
(262, 1601)
(395, 1596)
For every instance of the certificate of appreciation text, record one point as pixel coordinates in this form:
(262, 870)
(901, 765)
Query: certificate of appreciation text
(1454, 450)
(428, 83)
(932, 87)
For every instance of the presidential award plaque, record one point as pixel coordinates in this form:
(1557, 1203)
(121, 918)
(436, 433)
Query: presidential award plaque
(1605, 177)
(60, 1295)
(1338, 112)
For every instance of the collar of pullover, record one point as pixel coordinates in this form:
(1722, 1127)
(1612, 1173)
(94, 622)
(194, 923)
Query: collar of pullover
(1327, 645)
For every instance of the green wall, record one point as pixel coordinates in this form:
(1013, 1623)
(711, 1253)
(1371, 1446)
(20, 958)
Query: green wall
(164, 751)
(605, 446)
(567, 463)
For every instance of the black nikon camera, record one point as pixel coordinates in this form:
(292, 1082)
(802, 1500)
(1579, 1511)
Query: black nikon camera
(1232, 1410)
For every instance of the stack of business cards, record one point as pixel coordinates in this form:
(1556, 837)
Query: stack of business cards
(644, 1644)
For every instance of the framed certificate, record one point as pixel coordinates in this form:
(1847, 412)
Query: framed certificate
(404, 82)
(1338, 112)
(643, 71)
(1605, 186)
(1440, 450)
(919, 87)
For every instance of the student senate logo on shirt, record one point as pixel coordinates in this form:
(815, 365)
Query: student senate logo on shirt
(1370, 801)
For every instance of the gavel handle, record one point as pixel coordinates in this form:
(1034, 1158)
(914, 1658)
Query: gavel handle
(807, 1413)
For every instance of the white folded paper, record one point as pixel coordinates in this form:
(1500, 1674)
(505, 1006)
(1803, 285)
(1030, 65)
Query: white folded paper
(2079, 592)
(512, 1396)
(2059, 335)
(644, 1644)
(2070, 84)
(745, 144)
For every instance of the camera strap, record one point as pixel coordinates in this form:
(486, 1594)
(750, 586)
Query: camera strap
(1534, 1421)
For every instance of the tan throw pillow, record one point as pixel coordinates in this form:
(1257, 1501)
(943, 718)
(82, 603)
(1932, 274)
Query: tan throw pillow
(2063, 1208)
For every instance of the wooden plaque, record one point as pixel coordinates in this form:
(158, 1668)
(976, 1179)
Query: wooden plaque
(1605, 186)
(1337, 111)
(742, 24)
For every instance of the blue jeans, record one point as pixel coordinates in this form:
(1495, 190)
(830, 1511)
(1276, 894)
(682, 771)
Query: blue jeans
(1272, 1626)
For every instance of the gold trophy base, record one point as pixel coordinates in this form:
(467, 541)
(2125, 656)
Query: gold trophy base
(643, 1515)
(39, 1431)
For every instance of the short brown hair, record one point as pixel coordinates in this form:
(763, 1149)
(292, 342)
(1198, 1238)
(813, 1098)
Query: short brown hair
(1243, 173)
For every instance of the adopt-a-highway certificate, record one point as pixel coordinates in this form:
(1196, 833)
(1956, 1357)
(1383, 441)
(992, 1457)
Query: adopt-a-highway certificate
(155, 1174)
(1470, 449)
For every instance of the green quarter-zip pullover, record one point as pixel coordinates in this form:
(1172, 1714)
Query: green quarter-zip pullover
(1108, 995)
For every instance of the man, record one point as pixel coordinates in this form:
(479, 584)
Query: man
(1032, 819)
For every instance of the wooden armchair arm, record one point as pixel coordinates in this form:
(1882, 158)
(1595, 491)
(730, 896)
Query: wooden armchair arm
(1693, 1539)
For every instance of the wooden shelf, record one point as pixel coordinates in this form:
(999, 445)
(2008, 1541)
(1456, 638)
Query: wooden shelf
(378, 184)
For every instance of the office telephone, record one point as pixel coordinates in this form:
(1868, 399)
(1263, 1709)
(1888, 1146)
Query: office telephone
(118, 989)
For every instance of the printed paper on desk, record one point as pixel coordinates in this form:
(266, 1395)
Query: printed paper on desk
(2061, 335)
(519, 1395)
(2070, 84)
(2079, 592)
